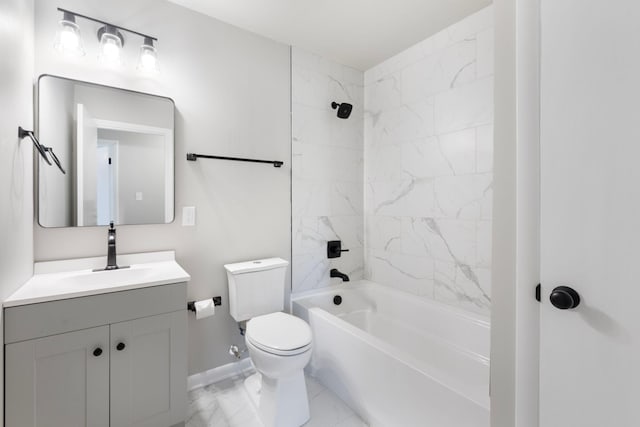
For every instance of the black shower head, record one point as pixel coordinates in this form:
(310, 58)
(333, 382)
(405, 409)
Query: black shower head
(344, 109)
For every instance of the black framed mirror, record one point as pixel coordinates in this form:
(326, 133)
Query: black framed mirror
(117, 147)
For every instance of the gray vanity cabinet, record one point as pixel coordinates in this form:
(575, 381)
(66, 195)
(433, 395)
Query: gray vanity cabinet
(143, 370)
(129, 371)
(58, 381)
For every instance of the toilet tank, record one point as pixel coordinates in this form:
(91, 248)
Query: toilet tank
(256, 287)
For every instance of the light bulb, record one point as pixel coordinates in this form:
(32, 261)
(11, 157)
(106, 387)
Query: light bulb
(110, 45)
(68, 39)
(110, 50)
(148, 61)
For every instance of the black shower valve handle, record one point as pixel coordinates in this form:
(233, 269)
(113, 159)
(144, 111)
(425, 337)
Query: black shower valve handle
(334, 249)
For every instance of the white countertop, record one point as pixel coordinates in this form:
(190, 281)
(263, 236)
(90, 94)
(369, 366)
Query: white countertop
(56, 280)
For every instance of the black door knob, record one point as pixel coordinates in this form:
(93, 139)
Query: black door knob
(564, 298)
(120, 346)
(97, 352)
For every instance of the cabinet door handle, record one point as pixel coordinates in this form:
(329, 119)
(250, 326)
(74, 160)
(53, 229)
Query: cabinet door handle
(97, 352)
(121, 346)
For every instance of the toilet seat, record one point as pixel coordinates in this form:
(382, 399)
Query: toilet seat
(276, 352)
(279, 333)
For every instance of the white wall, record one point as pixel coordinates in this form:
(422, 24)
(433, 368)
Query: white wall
(232, 94)
(327, 170)
(16, 182)
(428, 166)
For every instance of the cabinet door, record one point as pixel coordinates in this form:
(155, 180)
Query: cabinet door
(149, 371)
(58, 381)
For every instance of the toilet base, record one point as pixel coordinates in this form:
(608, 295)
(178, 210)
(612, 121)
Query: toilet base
(252, 385)
(280, 403)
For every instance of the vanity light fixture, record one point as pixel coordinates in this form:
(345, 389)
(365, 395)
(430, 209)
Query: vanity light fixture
(68, 40)
(111, 40)
(148, 61)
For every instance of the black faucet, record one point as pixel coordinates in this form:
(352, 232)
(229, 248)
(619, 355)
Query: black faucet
(111, 248)
(335, 273)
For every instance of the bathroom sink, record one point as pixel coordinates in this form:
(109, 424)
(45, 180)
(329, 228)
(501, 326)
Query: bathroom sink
(135, 274)
(56, 280)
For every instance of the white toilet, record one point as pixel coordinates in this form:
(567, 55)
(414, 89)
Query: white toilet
(279, 344)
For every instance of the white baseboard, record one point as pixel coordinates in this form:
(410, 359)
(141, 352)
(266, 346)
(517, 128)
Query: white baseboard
(220, 373)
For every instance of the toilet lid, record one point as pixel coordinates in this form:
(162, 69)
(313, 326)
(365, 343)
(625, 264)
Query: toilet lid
(279, 331)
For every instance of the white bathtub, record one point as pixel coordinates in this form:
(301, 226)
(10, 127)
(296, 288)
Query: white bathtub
(397, 359)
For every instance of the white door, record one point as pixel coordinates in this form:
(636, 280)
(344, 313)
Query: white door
(58, 381)
(590, 217)
(86, 165)
(149, 371)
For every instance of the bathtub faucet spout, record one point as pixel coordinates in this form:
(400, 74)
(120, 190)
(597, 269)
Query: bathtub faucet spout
(335, 273)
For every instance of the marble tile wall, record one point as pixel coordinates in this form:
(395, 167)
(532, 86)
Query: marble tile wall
(428, 139)
(327, 169)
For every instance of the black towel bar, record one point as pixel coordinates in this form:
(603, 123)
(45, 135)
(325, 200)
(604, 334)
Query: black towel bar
(192, 157)
(22, 133)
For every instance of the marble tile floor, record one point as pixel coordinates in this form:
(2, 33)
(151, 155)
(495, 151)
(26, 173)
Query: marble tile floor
(227, 404)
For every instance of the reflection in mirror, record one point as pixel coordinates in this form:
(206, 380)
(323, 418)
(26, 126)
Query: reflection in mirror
(118, 148)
